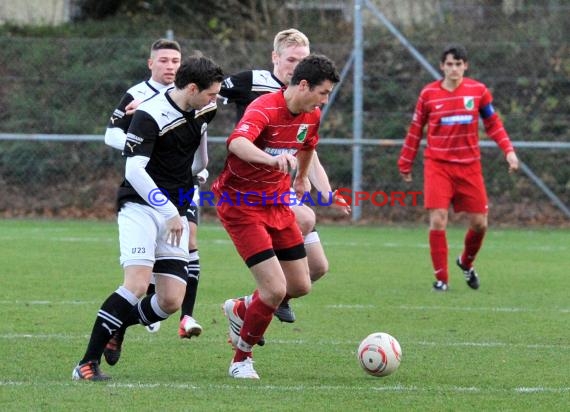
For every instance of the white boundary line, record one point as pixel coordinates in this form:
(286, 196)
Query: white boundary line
(319, 342)
(335, 306)
(297, 388)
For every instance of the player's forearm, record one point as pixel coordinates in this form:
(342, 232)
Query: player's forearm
(247, 151)
(304, 162)
(200, 161)
(496, 131)
(318, 176)
(115, 137)
(141, 181)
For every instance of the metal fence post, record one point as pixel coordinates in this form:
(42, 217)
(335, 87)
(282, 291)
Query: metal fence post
(357, 111)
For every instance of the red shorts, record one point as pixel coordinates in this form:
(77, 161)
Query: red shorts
(254, 229)
(454, 184)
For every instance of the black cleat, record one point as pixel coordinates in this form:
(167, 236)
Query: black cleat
(284, 313)
(440, 286)
(112, 351)
(471, 276)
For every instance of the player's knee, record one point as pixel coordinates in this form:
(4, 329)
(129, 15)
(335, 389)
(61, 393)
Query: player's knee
(479, 226)
(306, 220)
(136, 278)
(170, 303)
(305, 290)
(272, 296)
(318, 270)
(299, 290)
(172, 276)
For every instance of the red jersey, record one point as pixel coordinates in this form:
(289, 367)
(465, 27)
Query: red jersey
(452, 119)
(269, 124)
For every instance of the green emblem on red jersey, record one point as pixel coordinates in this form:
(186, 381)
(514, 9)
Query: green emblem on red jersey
(302, 132)
(469, 102)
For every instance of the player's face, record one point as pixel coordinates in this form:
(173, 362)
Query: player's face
(164, 64)
(199, 99)
(317, 96)
(453, 69)
(284, 64)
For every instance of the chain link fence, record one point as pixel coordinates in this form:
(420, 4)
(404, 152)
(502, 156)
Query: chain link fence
(70, 86)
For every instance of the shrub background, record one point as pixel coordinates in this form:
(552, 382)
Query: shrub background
(67, 80)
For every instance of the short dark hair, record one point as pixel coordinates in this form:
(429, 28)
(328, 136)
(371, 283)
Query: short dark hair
(200, 70)
(456, 50)
(165, 44)
(315, 69)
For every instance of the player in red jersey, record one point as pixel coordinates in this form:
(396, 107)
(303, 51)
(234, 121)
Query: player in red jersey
(290, 46)
(278, 132)
(451, 108)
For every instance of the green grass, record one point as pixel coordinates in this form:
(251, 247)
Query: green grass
(505, 347)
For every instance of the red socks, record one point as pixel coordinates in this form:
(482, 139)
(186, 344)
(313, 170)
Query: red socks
(256, 320)
(438, 251)
(473, 242)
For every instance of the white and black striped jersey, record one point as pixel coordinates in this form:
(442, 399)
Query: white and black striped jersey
(244, 87)
(169, 137)
(140, 91)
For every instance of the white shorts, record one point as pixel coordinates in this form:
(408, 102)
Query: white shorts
(143, 237)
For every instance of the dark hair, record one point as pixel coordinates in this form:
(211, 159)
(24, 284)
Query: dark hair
(456, 50)
(165, 44)
(199, 70)
(315, 69)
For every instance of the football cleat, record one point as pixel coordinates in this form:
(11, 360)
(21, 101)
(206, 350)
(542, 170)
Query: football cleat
(112, 351)
(153, 327)
(284, 313)
(471, 276)
(440, 286)
(230, 310)
(189, 327)
(89, 371)
(243, 370)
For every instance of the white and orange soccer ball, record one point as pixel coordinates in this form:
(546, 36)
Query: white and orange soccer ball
(379, 354)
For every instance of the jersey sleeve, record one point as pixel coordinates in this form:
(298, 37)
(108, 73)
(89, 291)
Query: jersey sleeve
(493, 124)
(141, 135)
(119, 118)
(250, 126)
(413, 138)
(236, 89)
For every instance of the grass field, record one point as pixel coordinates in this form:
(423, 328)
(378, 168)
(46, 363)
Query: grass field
(505, 347)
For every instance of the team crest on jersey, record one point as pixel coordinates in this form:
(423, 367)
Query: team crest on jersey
(302, 133)
(469, 102)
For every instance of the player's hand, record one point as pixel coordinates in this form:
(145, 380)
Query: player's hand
(406, 176)
(132, 106)
(174, 228)
(340, 203)
(301, 185)
(284, 162)
(202, 176)
(513, 162)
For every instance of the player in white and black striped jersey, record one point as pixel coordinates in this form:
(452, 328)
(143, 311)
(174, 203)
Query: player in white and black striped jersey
(289, 48)
(163, 62)
(164, 135)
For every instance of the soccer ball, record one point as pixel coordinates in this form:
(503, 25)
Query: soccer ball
(379, 354)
